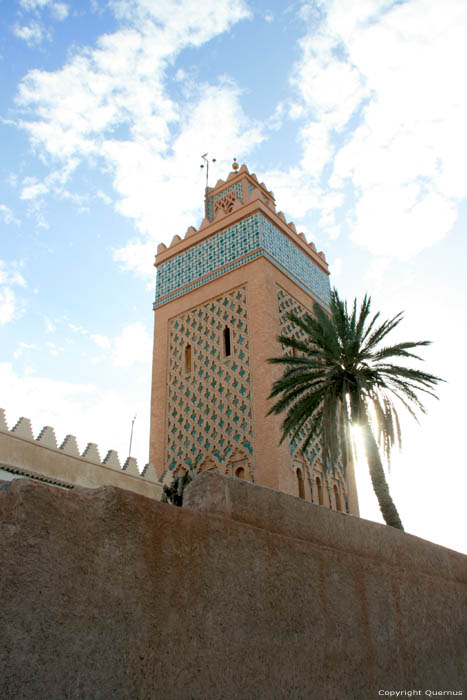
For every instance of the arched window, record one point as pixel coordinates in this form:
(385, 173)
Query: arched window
(227, 342)
(188, 359)
(320, 490)
(239, 467)
(240, 472)
(337, 498)
(301, 485)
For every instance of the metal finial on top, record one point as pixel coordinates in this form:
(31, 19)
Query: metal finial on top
(235, 165)
(206, 190)
(206, 160)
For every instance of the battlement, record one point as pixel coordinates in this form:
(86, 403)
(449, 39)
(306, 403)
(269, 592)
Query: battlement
(43, 459)
(227, 200)
(241, 224)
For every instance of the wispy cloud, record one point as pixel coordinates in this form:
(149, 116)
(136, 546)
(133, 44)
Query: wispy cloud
(33, 189)
(50, 326)
(133, 346)
(59, 10)
(112, 103)
(7, 215)
(21, 348)
(11, 307)
(383, 118)
(101, 340)
(76, 408)
(33, 34)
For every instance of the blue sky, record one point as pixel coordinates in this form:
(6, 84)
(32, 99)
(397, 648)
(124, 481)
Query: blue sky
(352, 112)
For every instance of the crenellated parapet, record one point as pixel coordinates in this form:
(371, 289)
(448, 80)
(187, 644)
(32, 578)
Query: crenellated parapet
(240, 189)
(240, 225)
(43, 459)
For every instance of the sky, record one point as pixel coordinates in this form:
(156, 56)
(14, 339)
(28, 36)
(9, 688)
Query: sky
(352, 112)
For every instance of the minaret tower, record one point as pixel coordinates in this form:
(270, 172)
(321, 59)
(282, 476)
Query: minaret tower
(222, 296)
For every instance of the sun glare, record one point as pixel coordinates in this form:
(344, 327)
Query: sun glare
(367, 501)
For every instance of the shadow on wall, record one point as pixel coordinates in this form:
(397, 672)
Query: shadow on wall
(244, 592)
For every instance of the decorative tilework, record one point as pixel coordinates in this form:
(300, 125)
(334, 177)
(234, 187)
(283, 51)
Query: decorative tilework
(208, 278)
(295, 261)
(217, 255)
(209, 407)
(221, 249)
(237, 188)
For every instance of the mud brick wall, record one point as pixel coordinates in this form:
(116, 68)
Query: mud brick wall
(245, 593)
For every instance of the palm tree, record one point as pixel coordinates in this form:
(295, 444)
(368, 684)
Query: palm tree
(338, 376)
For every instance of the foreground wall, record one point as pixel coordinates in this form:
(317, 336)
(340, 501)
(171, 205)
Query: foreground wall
(245, 593)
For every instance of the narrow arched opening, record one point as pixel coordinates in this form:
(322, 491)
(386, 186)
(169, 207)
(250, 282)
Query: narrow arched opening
(301, 485)
(227, 342)
(188, 359)
(319, 486)
(240, 472)
(337, 498)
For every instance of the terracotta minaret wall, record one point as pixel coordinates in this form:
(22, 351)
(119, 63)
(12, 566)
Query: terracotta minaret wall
(222, 295)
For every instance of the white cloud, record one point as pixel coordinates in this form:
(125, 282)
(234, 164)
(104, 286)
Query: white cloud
(33, 34)
(121, 81)
(91, 413)
(295, 191)
(11, 307)
(101, 340)
(393, 222)
(33, 189)
(7, 305)
(54, 349)
(7, 215)
(134, 345)
(375, 275)
(163, 195)
(398, 66)
(21, 348)
(335, 268)
(104, 197)
(35, 209)
(78, 329)
(60, 11)
(73, 114)
(33, 4)
(49, 325)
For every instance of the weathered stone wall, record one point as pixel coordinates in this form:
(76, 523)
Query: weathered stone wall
(245, 593)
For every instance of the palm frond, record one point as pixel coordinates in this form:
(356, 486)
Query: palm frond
(337, 369)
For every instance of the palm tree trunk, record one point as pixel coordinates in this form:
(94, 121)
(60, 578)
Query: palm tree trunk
(378, 479)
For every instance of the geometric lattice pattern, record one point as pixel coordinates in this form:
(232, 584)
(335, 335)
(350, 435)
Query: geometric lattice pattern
(288, 304)
(209, 422)
(234, 190)
(310, 460)
(224, 251)
(224, 205)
